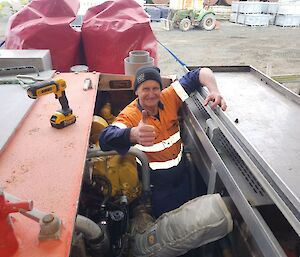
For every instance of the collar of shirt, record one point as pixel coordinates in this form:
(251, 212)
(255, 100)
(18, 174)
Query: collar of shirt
(160, 105)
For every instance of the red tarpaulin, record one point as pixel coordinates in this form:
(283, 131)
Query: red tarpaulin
(45, 24)
(113, 29)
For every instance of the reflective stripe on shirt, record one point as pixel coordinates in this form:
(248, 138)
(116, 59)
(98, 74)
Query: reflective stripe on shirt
(160, 146)
(119, 125)
(180, 91)
(167, 164)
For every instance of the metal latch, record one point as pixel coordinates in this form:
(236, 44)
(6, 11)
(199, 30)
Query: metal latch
(213, 132)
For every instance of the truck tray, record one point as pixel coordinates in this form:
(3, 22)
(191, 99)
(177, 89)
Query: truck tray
(265, 117)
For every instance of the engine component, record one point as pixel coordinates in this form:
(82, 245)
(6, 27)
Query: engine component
(95, 236)
(117, 224)
(98, 125)
(121, 171)
(106, 113)
(103, 187)
(198, 222)
(145, 171)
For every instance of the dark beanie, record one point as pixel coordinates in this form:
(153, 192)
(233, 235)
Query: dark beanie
(147, 73)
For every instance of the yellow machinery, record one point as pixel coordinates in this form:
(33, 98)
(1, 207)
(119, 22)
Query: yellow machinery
(119, 171)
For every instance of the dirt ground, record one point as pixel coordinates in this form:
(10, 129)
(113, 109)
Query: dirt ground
(273, 50)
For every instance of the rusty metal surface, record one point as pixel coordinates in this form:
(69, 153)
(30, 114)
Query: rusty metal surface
(45, 165)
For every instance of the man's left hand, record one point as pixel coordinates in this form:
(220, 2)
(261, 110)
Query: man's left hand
(216, 100)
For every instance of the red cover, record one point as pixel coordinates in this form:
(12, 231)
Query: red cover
(45, 24)
(111, 30)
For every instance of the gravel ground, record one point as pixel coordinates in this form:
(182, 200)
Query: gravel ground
(273, 50)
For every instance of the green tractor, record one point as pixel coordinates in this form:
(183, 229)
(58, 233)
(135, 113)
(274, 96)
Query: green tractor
(185, 19)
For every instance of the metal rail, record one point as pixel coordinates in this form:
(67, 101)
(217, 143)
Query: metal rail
(257, 226)
(254, 164)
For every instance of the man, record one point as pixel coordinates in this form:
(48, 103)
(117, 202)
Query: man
(151, 123)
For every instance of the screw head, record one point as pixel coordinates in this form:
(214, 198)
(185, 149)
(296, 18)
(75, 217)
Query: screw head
(48, 218)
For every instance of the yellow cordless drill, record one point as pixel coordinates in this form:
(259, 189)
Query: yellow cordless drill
(61, 118)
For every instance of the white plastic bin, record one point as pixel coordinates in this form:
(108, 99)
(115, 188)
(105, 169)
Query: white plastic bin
(233, 17)
(251, 7)
(272, 18)
(273, 8)
(257, 19)
(235, 7)
(241, 18)
(289, 8)
(287, 20)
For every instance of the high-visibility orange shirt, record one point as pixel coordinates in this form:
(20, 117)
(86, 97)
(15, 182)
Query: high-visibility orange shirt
(167, 149)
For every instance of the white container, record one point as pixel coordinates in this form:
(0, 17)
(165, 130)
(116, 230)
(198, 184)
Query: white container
(241, 18)
(251, 7)
(235, 7)
(233, 17)
(257, 19)
(272, 18)
(289, 8)
(287, 20)
(137, 59)
(273, 8)
(264, 7)
(41, 59)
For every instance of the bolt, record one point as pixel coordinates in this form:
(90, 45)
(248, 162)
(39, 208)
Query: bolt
(48, 218)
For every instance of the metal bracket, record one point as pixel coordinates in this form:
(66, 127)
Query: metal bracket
(50, 227)
(50, 224)
(213, 132)
(87, 84)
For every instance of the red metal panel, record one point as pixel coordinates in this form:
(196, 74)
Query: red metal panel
(45, 164)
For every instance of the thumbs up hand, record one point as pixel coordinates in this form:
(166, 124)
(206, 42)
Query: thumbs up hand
(143, 134)
(144, 117)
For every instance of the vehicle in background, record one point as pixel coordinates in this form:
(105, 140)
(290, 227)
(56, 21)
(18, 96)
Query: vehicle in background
(187, 19)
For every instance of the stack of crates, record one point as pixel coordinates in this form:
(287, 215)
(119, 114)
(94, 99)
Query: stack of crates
(153, 12)
(272, 9)
(234, 11)
(157, 12)
(285, 14)
(250, 13)
(288, 14)
(164, 11)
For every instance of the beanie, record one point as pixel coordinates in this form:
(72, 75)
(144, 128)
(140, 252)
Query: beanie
(147, 73)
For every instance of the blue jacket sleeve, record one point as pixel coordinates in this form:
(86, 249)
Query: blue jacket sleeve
(115, 138)
(190, 81)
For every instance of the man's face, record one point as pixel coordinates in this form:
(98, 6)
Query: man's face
(149, 94)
